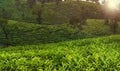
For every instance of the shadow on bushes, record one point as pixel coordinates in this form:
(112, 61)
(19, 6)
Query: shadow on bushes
(29, 34)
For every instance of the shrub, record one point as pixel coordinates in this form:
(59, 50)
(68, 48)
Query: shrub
(95, 28)
(23, 33)
(98, 54)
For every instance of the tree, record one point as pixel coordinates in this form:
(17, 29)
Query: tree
(5, 13)
(114, 25)
(31, 3)
(111, 17)
(3, 26)
(57, 2)
(38, 10)
(17, 3)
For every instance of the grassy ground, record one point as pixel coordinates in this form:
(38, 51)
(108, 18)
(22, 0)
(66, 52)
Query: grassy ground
(93, 54)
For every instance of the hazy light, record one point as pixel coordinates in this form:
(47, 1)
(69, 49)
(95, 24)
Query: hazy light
(111, 8)
(112, 4)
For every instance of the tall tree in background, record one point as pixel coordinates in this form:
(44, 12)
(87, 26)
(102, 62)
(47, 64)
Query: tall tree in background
(114, 25)
(111, 17)
(31, 3)
(38, 10)
(42, 2)
(17, 2)
(57, 2)
(5, 13)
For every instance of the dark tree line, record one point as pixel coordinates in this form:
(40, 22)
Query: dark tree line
(78, 15)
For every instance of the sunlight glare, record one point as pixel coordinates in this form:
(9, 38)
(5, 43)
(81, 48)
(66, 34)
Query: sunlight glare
(113, 4)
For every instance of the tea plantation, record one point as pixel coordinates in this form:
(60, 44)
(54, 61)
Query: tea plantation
(92, 54)
(57, 35)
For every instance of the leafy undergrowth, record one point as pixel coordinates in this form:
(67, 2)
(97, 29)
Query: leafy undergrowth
(93, 54)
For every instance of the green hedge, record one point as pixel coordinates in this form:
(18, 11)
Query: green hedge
(95, 28)
(21, 33)
(24, 33)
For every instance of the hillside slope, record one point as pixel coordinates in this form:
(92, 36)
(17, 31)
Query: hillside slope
(36, 33)
(93, 54)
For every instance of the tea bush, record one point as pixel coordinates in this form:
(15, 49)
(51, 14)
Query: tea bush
(96, 28)
(21, 33)
(96, 54)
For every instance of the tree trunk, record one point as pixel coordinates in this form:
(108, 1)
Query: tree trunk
(114, 26)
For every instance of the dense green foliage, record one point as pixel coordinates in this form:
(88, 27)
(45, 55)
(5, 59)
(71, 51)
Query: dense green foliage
(26, 24)
(66, 21)
(21, 33)
(95, 28)
(50, 13)
(97, 54)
